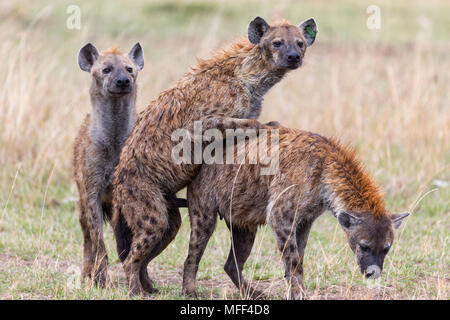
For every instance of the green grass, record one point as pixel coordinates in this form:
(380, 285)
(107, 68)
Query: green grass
(41, 245)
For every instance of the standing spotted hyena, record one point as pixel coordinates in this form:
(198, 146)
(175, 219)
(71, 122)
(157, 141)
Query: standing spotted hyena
(224, 92)
(315, 174)
(99, 142)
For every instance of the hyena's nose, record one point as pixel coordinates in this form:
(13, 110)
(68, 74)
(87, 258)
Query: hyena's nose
(123, 82)
(293, 57)
(373, 272)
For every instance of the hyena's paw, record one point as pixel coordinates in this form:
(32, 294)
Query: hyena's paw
(147, 285)
(273, 124)
(257, 295)
(151, 291)
(249, 124)
(138, 289)
(140, 292)
(296, 289)
(297, 294)
(100, 279)
(188, 287)
(87, 270)
(234, 124)
(190, 293)
(149, 288)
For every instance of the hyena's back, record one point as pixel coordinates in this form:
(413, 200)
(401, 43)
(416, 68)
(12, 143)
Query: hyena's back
(150, 145)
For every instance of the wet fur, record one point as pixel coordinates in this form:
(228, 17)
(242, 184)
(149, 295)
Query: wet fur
(315, 174)
(225, 91)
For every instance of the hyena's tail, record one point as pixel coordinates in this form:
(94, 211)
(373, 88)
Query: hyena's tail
(122, 233)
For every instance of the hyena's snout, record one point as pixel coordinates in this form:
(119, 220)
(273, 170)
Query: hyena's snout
(370, 265)
(372, 272)
(293, 58)
(121, 84)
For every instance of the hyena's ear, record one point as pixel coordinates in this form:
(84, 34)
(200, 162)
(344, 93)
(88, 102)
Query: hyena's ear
(397, 219)
(256, 30)
(87, 56)
(347, 220)
(136, 54)
(309, 30)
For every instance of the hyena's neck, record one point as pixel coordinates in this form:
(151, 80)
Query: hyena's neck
(257, 77)
(246, 64)
(113, 119)
(332, 200)
(347, 186)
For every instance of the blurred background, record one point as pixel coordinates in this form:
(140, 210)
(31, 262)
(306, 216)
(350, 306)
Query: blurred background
(377, 77)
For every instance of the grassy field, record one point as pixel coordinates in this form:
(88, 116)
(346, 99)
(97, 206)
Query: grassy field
(385, 91)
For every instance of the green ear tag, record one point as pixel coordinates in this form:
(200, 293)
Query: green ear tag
(310, 31)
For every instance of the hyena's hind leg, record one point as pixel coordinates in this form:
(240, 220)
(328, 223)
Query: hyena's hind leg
(241, 246)
(145, 211)
(168, 236)
(203, 221)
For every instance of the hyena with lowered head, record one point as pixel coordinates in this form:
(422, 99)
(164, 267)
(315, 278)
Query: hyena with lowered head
(99, 143)
(315, 174)
(224, 92)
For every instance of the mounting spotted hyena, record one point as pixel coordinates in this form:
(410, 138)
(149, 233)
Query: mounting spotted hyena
(315, 174)
(224, 92)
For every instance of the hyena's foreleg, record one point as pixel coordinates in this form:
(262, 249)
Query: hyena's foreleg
(282, 220)
(88, 257)
(95, 255)
(241, 246)
(224, 123)
(302, 234)
(293, 275)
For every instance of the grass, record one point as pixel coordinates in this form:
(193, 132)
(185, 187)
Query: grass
(385, 92)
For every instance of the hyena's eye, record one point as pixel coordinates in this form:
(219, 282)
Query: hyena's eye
(129, 69)
(106, 70)
(386, 248)
(300, 44)
(364, 247)
(277, 43)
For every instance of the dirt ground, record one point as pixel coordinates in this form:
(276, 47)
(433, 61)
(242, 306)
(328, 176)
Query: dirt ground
(218, 288)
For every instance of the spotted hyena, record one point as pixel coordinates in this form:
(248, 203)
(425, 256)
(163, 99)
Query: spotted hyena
(225, 91)
(99, 142)
(315, 174)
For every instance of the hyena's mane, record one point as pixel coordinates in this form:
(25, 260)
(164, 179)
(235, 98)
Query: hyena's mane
(345, 178)
(351, 181)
